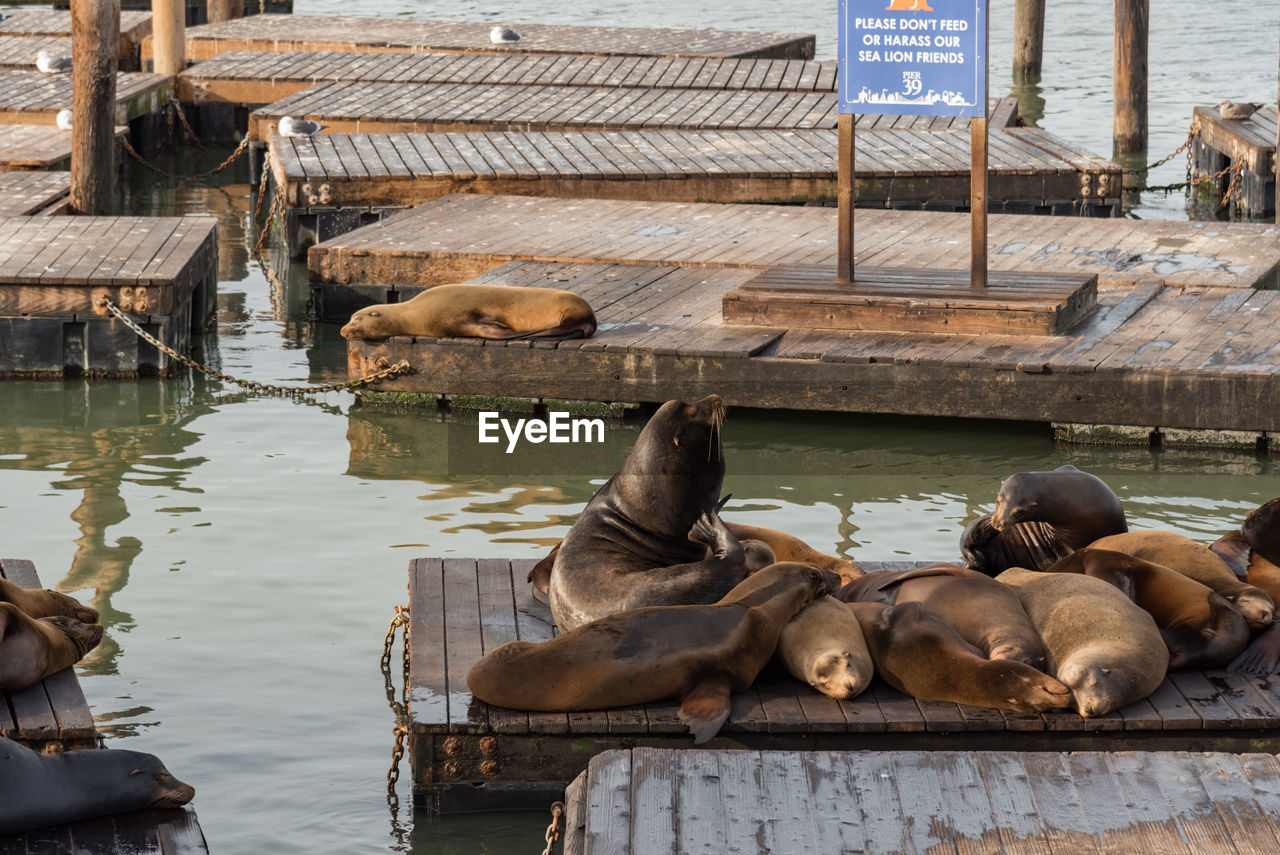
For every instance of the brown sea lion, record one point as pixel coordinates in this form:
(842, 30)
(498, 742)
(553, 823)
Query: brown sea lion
(985, 613)
(1253, 552)
(787, 547)
(33, 648)
(38, 790)
(1102, 645)
(1041, 517)
(1192, 559)
(699, 654)
(43, 602)
(1200, 628)
(478, 311)
(644, 537)
(1261, 530)
(918, 653)
(823, 646)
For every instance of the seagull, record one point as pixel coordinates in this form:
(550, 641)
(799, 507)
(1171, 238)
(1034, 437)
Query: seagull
(1236, 109)
(52, 64)
(503, 35)
(64, 119)
(291, 127)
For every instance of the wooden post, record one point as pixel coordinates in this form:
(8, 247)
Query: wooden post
(224, 10)
(1132, 19)
(844, 198)
(1028, 38)
(978, 173)
(95, 41)
(168, 35)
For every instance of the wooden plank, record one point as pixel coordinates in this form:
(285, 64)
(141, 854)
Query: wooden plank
(609, 808)
(429, 696)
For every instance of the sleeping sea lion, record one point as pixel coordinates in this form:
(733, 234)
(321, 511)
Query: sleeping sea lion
(918, 653)
(1041, 517)
(699, 654)
(1191, 559)
(644, 537)
(33, 648)
(1253, 552)
(1102, 645)
(478, 311)
(37, 790)
(1200, 628)
(823, 646)
(985, 613)
(787, 547)
(43, 602)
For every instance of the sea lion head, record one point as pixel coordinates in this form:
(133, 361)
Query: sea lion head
(1064, 497)
(1261, 530)
(377, 321)
(85, 636)
(1018, 501)
(72, 607)
(1029, 689)
(170, 792)
(835, 675)
(1094, 686)
(1257, 608)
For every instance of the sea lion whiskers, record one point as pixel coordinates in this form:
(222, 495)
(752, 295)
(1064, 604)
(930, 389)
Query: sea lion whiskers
(85, 636)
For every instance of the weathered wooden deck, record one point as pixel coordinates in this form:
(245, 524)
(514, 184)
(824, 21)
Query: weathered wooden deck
(134, 27)
(463, 607)
(413, 35)
(34, 98)
(27, 193)
(38, 147)
(20, 51)
(1251, 143)
(654, 800)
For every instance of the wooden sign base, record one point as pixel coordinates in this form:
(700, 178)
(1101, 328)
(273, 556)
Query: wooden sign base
(899, 300)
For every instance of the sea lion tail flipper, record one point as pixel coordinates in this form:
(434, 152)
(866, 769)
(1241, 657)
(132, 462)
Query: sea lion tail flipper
(564, 332)
(705, 708)
(1262, 656)
(1235, 551)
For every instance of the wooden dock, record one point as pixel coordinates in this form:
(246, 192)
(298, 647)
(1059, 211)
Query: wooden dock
(174, 831)
(916, 802)
(1251, 143)
(413, 35)
(34, 98)
(20, 51)
(38, 147)
(30, 193)
(162, 271)
(463, 607)
(135, 26)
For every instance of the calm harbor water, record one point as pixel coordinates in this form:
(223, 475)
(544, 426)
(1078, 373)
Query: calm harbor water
(246, 552)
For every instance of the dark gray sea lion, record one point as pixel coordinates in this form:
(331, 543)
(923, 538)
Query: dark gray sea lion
(644, 538)
(1041, 517)
(697, 653)
(43, 602)
(33, 648)
(37, 790)
(479, 311)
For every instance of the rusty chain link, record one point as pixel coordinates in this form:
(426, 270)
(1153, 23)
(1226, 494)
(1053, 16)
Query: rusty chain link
(1234, 169)
(553, 830)
(400, 619)
(240, 149)
(397, 754)
(269, 388)
(276, 209)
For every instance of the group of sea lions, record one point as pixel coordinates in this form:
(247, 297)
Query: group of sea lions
(1060, 606)
(41, 632)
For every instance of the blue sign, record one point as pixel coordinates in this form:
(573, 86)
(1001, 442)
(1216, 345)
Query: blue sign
(913, 57)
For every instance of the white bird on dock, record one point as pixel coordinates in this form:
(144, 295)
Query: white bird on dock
(1237, 110)
(503, 35)
(291, 127)
(64, 119)
(51, 64)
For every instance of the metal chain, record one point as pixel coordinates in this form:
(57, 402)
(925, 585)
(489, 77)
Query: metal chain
(269, 388)
(276, 209)
(401, 619)
(240, 149)
(182, 117)
(397, 754)
(553, 830)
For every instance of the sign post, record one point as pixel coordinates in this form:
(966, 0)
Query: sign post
(917, 58)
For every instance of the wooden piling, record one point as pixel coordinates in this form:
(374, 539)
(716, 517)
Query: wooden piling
(1028, 38)
(844, 198)
(168, 33)
(1132, 25)
(95, 28)
(224, 10)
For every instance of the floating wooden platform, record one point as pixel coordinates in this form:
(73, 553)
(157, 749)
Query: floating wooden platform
(34, 98)
(163, 271)
(916, 802)
(51, 716)
(27, 193)
(134, 27)
(1219, 143)
(38, 147)
(413, 35)
(173, 831)
(466, 754)
(20, 51)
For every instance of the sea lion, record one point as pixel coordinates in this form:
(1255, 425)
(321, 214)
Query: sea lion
(986, 614)
(479, 311)
(1200, 628)
(1253, 552)
(1261, 530)
(33, 648)
(698, 653)
(787, 547)
(823, 646)
(43, 602)
(918, 653)
(1102, 645)
(1041, 517)
(37, 790)
(644, 537)
(1192, 559)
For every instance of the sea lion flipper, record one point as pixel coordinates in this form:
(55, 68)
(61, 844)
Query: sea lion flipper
(1234, 550)
(1262, 656)
(710, 530)
(705, 707)
(540, 575)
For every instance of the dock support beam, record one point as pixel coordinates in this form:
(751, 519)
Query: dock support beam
(1028, 38)
(224, 10)
(168, 32)
(95, 42)
(1132, 25)
(844, 198)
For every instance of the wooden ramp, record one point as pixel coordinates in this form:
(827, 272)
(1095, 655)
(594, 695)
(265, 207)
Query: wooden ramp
(26, 193)
(463, 607)
(916, 802)
(412, 35)
(34, 98)
(1250, 143)
(134, 27)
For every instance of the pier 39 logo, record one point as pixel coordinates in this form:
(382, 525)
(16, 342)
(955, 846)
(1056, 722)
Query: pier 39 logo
(908, 6)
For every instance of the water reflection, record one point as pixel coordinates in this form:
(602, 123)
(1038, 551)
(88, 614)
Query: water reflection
(1030, 97)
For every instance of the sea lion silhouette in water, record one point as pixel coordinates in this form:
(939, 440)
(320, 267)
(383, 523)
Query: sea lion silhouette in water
(919, 653)
(1200, 628)
(43, 602)
(986, 614)
(1253, 553)
(37, 790)
(1041, 517)
(478, 311)
(644, 537)
(697, 653)
(33, 648)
